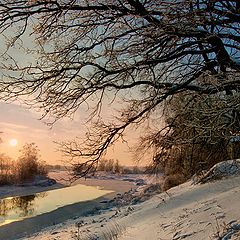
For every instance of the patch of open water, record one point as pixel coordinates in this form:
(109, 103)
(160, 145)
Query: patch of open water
(14, 209)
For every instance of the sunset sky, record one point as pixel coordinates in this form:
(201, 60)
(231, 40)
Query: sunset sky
(17, 122)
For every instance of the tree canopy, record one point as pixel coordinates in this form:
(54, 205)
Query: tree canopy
(144, 50)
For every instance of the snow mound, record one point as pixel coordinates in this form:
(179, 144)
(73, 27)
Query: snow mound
(229, 231)
(221, 170)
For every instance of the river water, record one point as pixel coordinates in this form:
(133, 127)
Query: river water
(14, 209)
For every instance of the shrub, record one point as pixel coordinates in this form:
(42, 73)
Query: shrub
(172, 181)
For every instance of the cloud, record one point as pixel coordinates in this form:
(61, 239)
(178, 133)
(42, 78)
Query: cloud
(13, 126)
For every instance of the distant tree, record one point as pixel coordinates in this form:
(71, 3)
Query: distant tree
(6, 169)
(101, 165)
(117, 167)
(109, 166)
(29, 164)
(142, 51)
(136, 170)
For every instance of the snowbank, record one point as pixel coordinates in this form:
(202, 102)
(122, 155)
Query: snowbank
(191, 212)
(221, 170)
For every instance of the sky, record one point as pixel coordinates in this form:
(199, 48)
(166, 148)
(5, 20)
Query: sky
(18, 122)
(22, 124)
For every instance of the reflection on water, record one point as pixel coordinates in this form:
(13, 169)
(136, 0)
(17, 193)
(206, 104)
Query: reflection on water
(17, 208)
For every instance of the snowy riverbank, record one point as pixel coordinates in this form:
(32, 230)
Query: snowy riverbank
(192, 212)
(189, 211)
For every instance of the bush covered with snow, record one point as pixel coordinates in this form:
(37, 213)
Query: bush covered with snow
(221, 170)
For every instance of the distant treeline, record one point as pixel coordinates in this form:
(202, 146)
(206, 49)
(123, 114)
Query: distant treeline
(106, 165)
(56, 167)
(110, 166)
(113, 166)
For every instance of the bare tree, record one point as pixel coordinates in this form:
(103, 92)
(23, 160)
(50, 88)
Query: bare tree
(146, 51)
(28, 164)
(197, 133)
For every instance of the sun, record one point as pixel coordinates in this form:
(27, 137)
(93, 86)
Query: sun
(13, 142)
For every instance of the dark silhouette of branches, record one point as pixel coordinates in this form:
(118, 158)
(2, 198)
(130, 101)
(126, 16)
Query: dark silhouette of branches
(89, 49)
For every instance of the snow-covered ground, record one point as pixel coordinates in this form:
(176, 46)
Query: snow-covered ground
(189, 211)
(28, 189)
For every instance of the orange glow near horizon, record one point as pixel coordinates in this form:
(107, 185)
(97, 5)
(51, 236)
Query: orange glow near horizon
(19, 125)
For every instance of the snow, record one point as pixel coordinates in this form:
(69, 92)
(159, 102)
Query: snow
(234, 139)
(188, 211)
(222, 169)
(234, 59)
